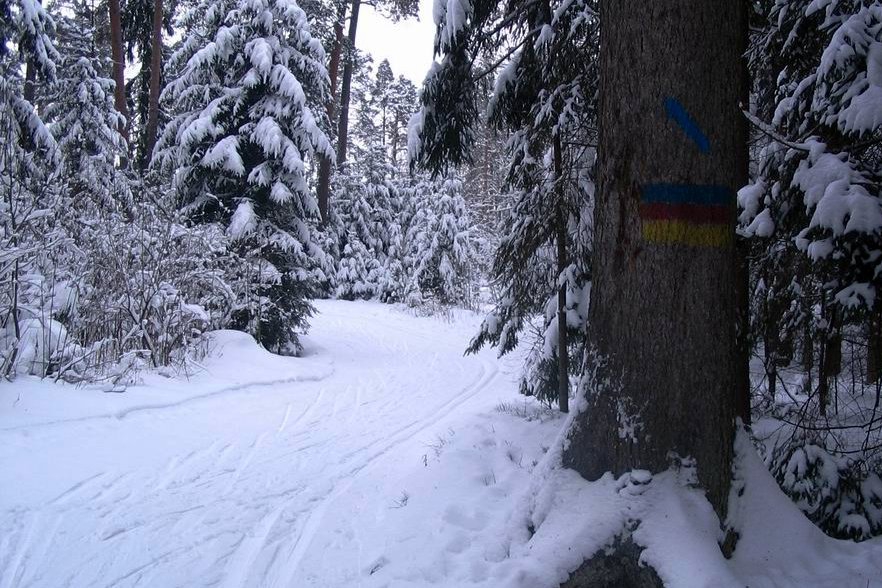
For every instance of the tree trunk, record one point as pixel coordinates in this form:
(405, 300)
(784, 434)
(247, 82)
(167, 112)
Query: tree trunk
(770, 349)
(324, 174)
(563, 374)
(831, 362)
(771, 369)
(874, 345)
(155, 78)
(808, 347)
(119, 65)
(742, 294)
(663, 308)
(346, 87)
(30, 85)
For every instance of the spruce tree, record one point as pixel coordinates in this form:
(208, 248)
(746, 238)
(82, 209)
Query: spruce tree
(813, 215)
(439, 244)
(248, 94)
(82, 117)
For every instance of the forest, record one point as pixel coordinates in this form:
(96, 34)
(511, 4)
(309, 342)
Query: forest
(591, 304)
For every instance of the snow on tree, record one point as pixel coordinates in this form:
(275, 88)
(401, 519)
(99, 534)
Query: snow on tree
(248, 94)
(28, 160)
(82, 117)
(813, 212)
(439, 246)
(368, 198)
(361, 246)
(544, 100)
(819, 179)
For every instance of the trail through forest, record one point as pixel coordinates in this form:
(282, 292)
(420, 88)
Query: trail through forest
(255, 483)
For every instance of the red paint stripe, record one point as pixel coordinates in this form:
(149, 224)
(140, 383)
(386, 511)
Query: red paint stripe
(698, 213)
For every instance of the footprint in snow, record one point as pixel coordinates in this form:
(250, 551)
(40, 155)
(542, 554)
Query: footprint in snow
(457, 517)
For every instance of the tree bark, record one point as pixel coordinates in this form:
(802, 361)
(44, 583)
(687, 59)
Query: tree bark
(324, 174)
(742, 294)
(663, 309)
(831, 358)
(155, 78)
(874, 345)
(30, 85)
(346, 87)
(563, 374)
(770, 349)
(119, 65)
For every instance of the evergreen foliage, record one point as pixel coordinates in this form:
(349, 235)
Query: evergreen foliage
(813, 213)
(406, 238)
(249, 87)
(544, 100)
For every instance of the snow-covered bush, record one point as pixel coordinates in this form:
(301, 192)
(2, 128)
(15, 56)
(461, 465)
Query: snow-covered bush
(29, 160)
(843, 496)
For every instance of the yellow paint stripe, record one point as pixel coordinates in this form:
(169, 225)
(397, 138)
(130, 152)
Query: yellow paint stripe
(693, 234)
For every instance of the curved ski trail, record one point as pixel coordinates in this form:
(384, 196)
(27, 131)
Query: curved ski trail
(236, 492)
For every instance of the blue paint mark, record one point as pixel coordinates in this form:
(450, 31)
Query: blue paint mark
(687, 194)
(676, 112)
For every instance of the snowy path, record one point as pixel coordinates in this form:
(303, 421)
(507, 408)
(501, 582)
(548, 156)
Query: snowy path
(251, 482)
(377, 460)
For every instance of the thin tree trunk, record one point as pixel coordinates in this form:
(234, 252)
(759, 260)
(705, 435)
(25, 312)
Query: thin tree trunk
(832, 361)
(30, 85)
(119, 65)
(155, 78)
(663, 308)
(874, 345)
(393, 142)
(563, 375)
(808, 345)
(771, 368)
(346, 88)
(324, 174)
(770, 349)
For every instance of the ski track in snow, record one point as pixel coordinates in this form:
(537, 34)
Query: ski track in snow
(230, 487)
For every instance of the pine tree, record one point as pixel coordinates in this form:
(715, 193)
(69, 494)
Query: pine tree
(368, 196)
(345, 50)
(117, 50)
(817, 191)
(249, 93)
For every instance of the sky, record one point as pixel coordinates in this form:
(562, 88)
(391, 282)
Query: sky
(406, 44)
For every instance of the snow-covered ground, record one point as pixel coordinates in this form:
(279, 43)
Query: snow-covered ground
(380, 458)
